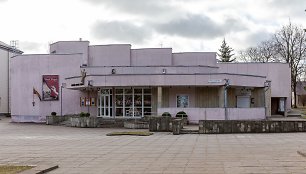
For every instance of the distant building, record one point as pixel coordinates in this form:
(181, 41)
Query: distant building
(6, 52)
(119, 82)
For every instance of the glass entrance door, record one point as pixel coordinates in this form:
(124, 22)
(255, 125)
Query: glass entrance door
(105, 103)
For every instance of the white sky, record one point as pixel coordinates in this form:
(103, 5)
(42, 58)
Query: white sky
(184, 25)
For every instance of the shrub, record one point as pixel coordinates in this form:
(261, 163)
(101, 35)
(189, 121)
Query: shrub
(181, 114)
(166, 114)
(53, 113)
(83, 114)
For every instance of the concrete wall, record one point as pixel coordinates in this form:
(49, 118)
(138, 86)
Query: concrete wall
(27, 71)
(110, 55)
(194, 59)
(174, 91)
(246, 113)
(277, 73)
(196, 114)
(151, 57)
(170, 80)
(71, 47)
(5, 56)
(4, 81)
(131, 70)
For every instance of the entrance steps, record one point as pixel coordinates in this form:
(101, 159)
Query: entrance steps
(190, 129)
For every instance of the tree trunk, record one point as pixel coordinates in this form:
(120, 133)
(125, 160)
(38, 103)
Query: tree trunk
(294, 93)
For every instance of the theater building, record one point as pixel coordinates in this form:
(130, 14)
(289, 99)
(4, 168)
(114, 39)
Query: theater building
(115, 81)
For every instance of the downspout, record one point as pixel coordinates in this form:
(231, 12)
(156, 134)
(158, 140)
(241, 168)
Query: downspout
(226, 85)
(267, 84)
(8, 84)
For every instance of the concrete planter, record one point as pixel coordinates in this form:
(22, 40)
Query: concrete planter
(55, 119)
(90, 122)
(176, 126)
(250, 126)
(164, 124)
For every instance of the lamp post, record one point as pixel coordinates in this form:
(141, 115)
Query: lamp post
(62, 86)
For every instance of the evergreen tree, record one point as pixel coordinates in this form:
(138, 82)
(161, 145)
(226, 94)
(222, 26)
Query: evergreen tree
(225, 52)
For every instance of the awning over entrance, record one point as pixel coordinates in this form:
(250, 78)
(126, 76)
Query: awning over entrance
(165, 80)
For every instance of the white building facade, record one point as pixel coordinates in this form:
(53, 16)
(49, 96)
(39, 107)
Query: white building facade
(116, 81)
(6, 52)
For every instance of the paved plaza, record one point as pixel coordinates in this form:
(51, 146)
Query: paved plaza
(85, 150)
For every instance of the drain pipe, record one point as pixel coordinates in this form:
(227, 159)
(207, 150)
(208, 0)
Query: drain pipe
(226, 85)
(267, 84)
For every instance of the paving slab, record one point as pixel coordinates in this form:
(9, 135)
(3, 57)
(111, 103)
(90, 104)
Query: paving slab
(89, 150)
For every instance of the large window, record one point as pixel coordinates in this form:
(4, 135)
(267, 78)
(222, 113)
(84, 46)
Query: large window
(133, 102)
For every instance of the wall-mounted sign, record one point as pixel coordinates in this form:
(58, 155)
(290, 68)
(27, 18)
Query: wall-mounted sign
(87, 101)
(92, 101)
(82, 101)
(50, 87)
(215, 81)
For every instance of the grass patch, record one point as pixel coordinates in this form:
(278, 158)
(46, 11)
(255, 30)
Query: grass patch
(130, 133)
(9, 169)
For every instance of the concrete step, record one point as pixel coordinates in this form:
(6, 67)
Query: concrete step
(189, 131)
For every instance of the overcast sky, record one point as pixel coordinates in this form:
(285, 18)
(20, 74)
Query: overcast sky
(184, 25)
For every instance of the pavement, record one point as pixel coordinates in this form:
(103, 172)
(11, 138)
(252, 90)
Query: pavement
(90, 151)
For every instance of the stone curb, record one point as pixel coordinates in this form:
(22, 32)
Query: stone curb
(41, 169)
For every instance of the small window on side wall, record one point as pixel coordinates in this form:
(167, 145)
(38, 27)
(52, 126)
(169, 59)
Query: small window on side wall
(182, 101)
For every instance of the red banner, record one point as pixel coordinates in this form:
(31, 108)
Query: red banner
(50, 87)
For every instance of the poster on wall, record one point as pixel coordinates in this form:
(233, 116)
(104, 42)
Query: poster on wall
(182, 101)
(87, 101)
(82, 101)
(93, 101)
(50, 87)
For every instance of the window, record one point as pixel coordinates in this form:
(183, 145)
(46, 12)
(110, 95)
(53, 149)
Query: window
(133, 102)
(182, 101)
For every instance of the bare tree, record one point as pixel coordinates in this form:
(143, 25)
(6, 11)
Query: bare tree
(291, 46)
(263, 52)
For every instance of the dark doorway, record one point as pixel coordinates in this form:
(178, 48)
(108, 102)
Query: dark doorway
(274, 106)
(276, 109)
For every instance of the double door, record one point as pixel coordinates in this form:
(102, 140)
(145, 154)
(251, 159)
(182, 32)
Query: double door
(105, 103)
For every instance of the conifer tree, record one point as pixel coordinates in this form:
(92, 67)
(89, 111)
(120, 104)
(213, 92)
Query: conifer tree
(225, 52)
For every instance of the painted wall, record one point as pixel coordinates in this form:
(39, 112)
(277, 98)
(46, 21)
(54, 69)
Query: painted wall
(174, 91)
(5, 55)
(93, 70)
(110, 55)
(194, 58)
(277, 73)
(196, 114)
(71, 47)
(4, 81)
(27, 71)
(151, 57)
(169, 80)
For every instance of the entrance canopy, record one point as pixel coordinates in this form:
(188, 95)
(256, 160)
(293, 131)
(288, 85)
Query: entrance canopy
(216, 79)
